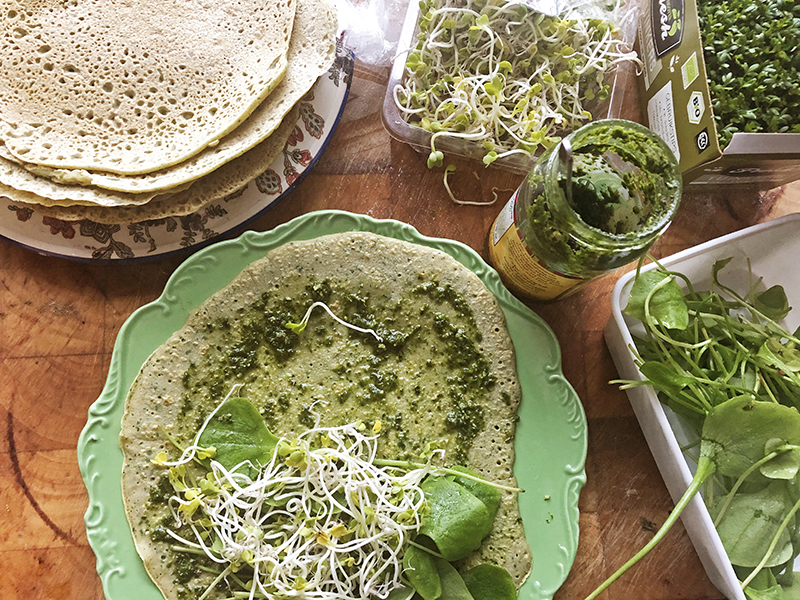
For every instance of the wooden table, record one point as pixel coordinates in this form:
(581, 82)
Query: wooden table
(59, 319)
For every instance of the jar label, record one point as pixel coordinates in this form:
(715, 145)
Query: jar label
(522, 272)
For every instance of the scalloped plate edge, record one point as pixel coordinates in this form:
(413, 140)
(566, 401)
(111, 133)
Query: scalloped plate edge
(229, 258)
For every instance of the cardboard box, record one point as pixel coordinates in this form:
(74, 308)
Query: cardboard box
(677, 105)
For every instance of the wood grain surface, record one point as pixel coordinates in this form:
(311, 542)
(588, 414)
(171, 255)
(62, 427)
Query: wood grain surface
(59, 319)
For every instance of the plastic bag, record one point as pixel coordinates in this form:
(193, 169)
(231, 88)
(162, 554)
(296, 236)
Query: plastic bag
(372, 28)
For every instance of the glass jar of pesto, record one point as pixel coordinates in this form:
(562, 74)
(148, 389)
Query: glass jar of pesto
(551, 237)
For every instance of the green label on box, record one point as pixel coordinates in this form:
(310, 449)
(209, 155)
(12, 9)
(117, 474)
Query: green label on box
(675, 97)
(690, 70)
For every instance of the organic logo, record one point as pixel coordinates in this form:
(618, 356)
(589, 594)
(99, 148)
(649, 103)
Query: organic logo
(695, 108)
(667, 17)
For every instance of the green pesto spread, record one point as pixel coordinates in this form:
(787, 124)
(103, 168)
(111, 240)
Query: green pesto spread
(426, 381)
(623, 185)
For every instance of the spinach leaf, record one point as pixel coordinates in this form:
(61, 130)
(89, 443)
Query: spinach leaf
(750, 524)
(490, 582)
(487, 494)
(457, 521)
(453, 586)
(239, 434)
(667, 304)
(420, 569)
(773, 303)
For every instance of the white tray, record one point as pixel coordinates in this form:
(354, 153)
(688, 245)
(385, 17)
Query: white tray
(773, 249)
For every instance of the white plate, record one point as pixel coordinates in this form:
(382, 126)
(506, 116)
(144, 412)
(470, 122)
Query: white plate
(320, 111)
(773, 249)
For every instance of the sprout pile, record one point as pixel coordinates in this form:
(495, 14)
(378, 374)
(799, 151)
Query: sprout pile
(507, 77)
(320, 520)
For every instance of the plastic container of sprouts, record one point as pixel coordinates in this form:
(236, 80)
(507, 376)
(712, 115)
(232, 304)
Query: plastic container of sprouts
(497, 91)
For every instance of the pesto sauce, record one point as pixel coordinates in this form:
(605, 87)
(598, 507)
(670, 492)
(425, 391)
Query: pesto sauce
(426, 381)
(623, 184)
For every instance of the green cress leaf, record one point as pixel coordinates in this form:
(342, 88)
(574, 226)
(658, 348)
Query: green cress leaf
(453, 586)
(420, 569)
(489, 495)
(764, 587)
(239, 434)
(736, 432)
(785, 465)
(750, 524)
(457, 521)
(667, 305)
(665, 378)
(773, 303)
(490, 582)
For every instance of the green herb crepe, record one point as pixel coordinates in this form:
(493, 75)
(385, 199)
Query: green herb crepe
(442, 376)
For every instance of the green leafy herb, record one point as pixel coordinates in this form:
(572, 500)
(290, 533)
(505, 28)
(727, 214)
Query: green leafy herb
(656, 297)
(751, 54)
(731, 436)
(458, 521)
(420, 569)
(736, 381)
(490, 582)
(453, 586)
(239, 435)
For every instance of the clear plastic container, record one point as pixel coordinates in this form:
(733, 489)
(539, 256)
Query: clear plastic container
(623, 78)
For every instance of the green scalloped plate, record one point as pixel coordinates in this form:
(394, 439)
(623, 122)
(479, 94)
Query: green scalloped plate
(551, 436)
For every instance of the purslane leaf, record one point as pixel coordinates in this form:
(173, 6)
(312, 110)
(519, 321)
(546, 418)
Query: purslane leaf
(736, 432)
(750, 524)
(457, 521)
(667, 304)
(490, 582)
(453, 586)
(773, 303)
(239, 434)
(420, 570)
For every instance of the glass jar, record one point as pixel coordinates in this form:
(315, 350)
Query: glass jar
(625, 190)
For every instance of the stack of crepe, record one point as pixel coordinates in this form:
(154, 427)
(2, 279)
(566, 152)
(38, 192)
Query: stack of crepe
(128, 110)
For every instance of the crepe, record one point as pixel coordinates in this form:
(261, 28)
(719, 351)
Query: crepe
(444, 373)
(219, 184)
(134, 86)
(311, 52)
(19, 184)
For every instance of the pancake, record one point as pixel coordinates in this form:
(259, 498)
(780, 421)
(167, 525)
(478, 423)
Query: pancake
(311, 53)
(21, 185)
(227, 180)
(444, 374)
(134, 86)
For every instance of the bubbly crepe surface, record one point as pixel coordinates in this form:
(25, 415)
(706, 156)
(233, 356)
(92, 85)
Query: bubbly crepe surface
(219, 184)
(132, 87)
(444, 375)
(311, 52)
